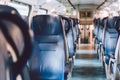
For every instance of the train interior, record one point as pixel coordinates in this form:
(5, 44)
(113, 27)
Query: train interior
(59, 39)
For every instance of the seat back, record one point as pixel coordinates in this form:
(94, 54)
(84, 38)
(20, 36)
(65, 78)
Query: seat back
(67, 26)
(111, 37)
(18, 40)
(110, 41)
(48, 58)
(96, 27)
(73, 27)
(100, 32)
(102, 25)
(70, 39)
(117, 24)
(76, 27)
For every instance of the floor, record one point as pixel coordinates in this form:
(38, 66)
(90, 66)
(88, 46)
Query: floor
(87, 65)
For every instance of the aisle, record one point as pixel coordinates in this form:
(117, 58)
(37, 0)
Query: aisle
(86, 64)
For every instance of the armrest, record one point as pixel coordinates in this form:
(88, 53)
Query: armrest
(100, 43)
(70, 59)
(112, 60)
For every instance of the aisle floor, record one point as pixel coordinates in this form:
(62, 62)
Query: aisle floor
(86, 64)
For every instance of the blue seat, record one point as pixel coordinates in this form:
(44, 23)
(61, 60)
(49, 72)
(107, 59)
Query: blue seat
(69, 35)
(77, 29)
(100, 33)
(48, 58)
(111, 37)
(97, 32)
(95, 22)
(117, 25)
(96, 27)
(74, 29)
(73, 25)
(101, 28)
(70, 46)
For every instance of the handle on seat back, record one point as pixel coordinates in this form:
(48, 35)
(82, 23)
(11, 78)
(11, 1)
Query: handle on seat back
(65, 42)
(64, 18)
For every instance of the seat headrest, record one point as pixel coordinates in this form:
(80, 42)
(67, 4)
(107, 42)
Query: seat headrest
(98, 21)
(67, 27)
(8, 9)
(110, 23)
(102, 22)
(47, 25)
(117, 24)
(95, 21)
(76, 21)
(16, 32)
(73, 22)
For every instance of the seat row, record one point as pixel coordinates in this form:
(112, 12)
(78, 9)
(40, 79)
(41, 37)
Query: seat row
(48, 55)
(106, 34)
(54, 47)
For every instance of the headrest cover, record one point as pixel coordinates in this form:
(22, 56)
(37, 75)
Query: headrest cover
(117, 24)
(73, 20)
(103, 21)
(66, 26)
(47, 25)
(97, 21)
(110, 23)
(8, 9)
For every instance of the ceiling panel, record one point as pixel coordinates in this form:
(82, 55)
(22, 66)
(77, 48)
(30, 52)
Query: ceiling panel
(83, 4)
(87, 1)
(28, 1)
(51, 5)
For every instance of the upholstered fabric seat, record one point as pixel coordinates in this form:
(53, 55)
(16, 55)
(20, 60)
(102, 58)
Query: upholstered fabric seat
(48, 58)
(70, 40)
(16, 43)
(111, 37)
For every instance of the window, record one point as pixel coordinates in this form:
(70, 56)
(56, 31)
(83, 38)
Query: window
(86, 14)
(41, 11)
(22, 9)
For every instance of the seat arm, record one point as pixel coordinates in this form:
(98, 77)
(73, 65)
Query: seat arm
(70, 59)
(112, 60)
(100, 43)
